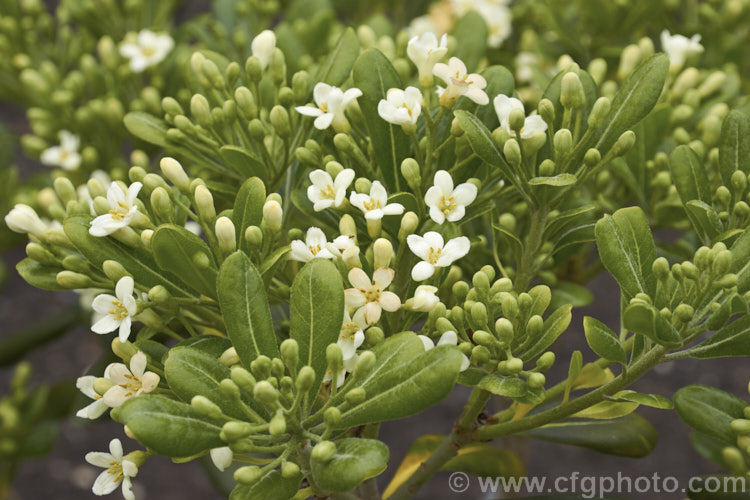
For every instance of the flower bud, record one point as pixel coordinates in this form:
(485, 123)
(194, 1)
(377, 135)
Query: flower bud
(684, 312)
(210, 71)
(514, 365)
(516, 120)
(334, 357)
(205, 407)
(332, 416)
(272, 215)
(537, 380)
(355, 396)
(305, 379)
(247, 475)
(374, 335)
(546, 169)
(624, 143)
(545, 361)
(571, 93)
(629, 59)
(512, 152)
(162, 204)
(410, 171)
(364, 364)
(409, 224)
(229, 358)
(243, 378)
(562, 142)
(290, 353)
(300, 86)
(323, 451)
(734, 460)
(277, 425)
(504, 330)
(382, 252)
(279, 117)
(200, 110)
(265, 393)
(38, 253)
(278, 67)
(726, 281)
(546, 110)
(71, 281)
(592, 157)
(599, 112)
(225, 234)
(722, 262)
(230, 389)
(102, 385)
(289, 470)
(509, 305)
(173, 171)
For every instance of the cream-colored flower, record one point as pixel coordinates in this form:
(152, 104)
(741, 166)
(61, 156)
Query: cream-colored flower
(118, 470)
(146, 49)
(425, 51)
(65, 155)
(222, 457)
(315, 246)
(123, 210)
(115, 312)
(129, 383)
(505, 105)
(448, 338)
(460, 83)
(326, 192)
(375, 205)
(424, 300)
(331, 102)
(678, 48)
(401, 107)
(98, 407)
(346, 367)
(263, 46)
(435, 253)
(352, 335)
(447, 202)
(24, 219)
(369, 297)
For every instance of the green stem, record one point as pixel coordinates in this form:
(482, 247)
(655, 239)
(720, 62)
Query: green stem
(525, 271)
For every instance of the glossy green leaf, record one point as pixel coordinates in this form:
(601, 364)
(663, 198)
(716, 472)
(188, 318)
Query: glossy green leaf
(705, 220)
(355, 460)
(511, 387)
(316, 313)
(175, 250)
(689, 175)
(603, 341)
(336, 68)
(709, 410)
(644, 319)
(242, 297)
(39, 275)
(147, 127)
(471, 34)
(574, 370)
(163, 424)
(628, 436)
(553, 327)
(732, 340)
(565, 292)
(627, 250)
(606, 410)
(271, 486)
(406, 390)
(243, 162)
(139, 262)
(374, 75)
(734, 146)
(652, 400)
(559, 180)
(248, 208)
(210, 344)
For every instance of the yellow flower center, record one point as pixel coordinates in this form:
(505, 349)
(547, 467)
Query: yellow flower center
(349, 330)
(120, 312)
(461, 81)
(434, 255)
(314, 249)
(116, 470)
(372, 204)
(324, 107)
(120, 211)
(328, 193)
(148, 51)
(372, 294)
(447, 205)
(132, 386)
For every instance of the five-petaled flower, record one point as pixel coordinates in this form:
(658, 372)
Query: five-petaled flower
(331, 103)
(678, 48)
(447, 338)
(460, 83)
(129, 383)
(315, 246)
(402, 107)
(435, 253)
(65, 155)
(118, 470)
(425, 51)
(326, 192)
(98, 406)
(122, 210)
(116, 311)
(447, 202)
(352, 335)
(369, 296)
(505, 105)
(375, 205)
(146, 49)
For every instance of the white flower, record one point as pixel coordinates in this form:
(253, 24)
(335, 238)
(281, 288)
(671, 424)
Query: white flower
(434, 253)
(678, 48)
(129, 383)
(24, 219)
(222, 457)
(117, 470)
(315, 246)
(326, 192)
(146, 49)
(401, 107)
(505, 105)
(341, 244)
(369, 296)
(425, 51)
(459, 82)
(331, 103)
(65, 155)
(98, 407)
(346, 367)
(116, 311)
(498, 19)
(123, 209)
(375, 205)
(352, 335)
(445, 202)
(424, 299)
(263, 46)
(448, 338)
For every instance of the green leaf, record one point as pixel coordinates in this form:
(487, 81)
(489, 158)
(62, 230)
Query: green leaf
(652, 400)
(139, 262)
(627, 250)
(242, 297)
(734, 146)
(39, 275)
(191, 372)
(406, 389)
(248, 208)
(709, 410)
(511, 387)
(554, 326)
(243, 162)
(565, 292)
(732, 340)
(355, 461)
(603, 341)
(163, 424)
(558, 180)
(606, 410)
(335, 70)
(483, 144)
(374, 75)
(644, 319)
(628, 436)
(175, 250)
(147, 127)
(574, 370)
(210, 344)
(478, 459)
(689, 175)
(272, 485)
(316, 313)
(705, 220)
(471, 34)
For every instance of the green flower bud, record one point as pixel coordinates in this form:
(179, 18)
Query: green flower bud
(514, 365)
(734, 460)
(545, 361)
(248, 474)
(280, 120)
(242, 378)
(598, 70)
(114, 270)
(516, 120)
(409, 224)
(305, 379)
(479, 314)
(229, 358)
(200, 109)
(300, 86)
(712, 84)
(173, 171)
(456, 129)
(278, 67)
(265, 393)
(500, 135)
(323, 451)
(740, 426)
(332, 416)
(443, 325)
(411, 172)
(726, 281)
(162, 204)
(571, 93)
(592, 157)
(158, 294)
(501, 285)
(481, 282)
(290, 353)
(504, 330)
(660, 267)
(355, 396)
(211, 73)
(272, 215)
(38, 253)
(562, 142)
(741, 209)
(225, 234)
(234, 431)
(546, 110)
(460, 289)
(509, 305)
(374, 335)
(171, 106)
(482, 338)
(537, 380)
(334, 357)
(723, 195)
(277, 425)
(479, 355)
(534, 326)
(546, 168)
(684, 312)
(599, 112)
(229, 388)
(512, 152)
(205, 407)
(65, 190)
(722, 262)
(624, 143)
(71, 281)
(629, 59)
(690, 270)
